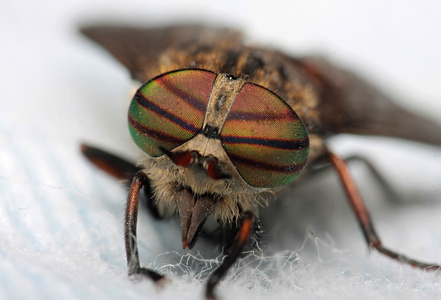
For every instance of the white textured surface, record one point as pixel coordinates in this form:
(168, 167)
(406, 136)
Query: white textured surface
(61, 220)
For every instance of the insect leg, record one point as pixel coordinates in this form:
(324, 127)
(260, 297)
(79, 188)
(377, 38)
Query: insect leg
(390, 192)
(120, 169)
(240, 241)
(130, 223)
(364, 219)
(109, 163)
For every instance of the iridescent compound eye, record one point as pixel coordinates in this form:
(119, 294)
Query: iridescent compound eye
(169, 110)
(264, 138)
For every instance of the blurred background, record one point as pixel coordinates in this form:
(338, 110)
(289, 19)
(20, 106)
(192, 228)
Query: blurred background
(61, 220)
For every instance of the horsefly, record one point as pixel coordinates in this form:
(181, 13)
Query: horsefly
(224, 126)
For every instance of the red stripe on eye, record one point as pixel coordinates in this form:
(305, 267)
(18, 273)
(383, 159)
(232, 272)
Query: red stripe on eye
(192, 100)
(268, 142)
(169, 110)
(264, 138)
(288, 168)
(144, 102)
(155, 134)
(258, 116)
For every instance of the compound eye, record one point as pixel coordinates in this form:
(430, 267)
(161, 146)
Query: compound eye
(169, 110)
(264, 138)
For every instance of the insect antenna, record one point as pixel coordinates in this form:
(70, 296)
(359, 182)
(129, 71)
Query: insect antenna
(212, 167)
(182, 159)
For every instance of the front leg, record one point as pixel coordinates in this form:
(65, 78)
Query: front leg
(121, 169)
(241, 239)
(130, 223)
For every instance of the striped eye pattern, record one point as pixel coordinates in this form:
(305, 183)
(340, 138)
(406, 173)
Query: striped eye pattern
(169, 110)
(264, 138)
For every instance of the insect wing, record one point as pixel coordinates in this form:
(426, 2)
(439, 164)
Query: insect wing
(351, 105)
(139, 49)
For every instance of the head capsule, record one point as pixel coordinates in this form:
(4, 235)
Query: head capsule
(263, 138)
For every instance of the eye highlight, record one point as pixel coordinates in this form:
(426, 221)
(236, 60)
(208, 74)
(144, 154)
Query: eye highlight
(169, 110)
(264, 138)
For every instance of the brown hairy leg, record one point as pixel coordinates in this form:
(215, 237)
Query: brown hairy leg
(130, 223)
(241, 239)
(125, 170)
(364, 218)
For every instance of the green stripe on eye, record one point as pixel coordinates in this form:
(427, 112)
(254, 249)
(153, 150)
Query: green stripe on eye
(169, 110)
(264, 138)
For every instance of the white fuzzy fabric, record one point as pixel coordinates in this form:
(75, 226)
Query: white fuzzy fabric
(61, 220)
